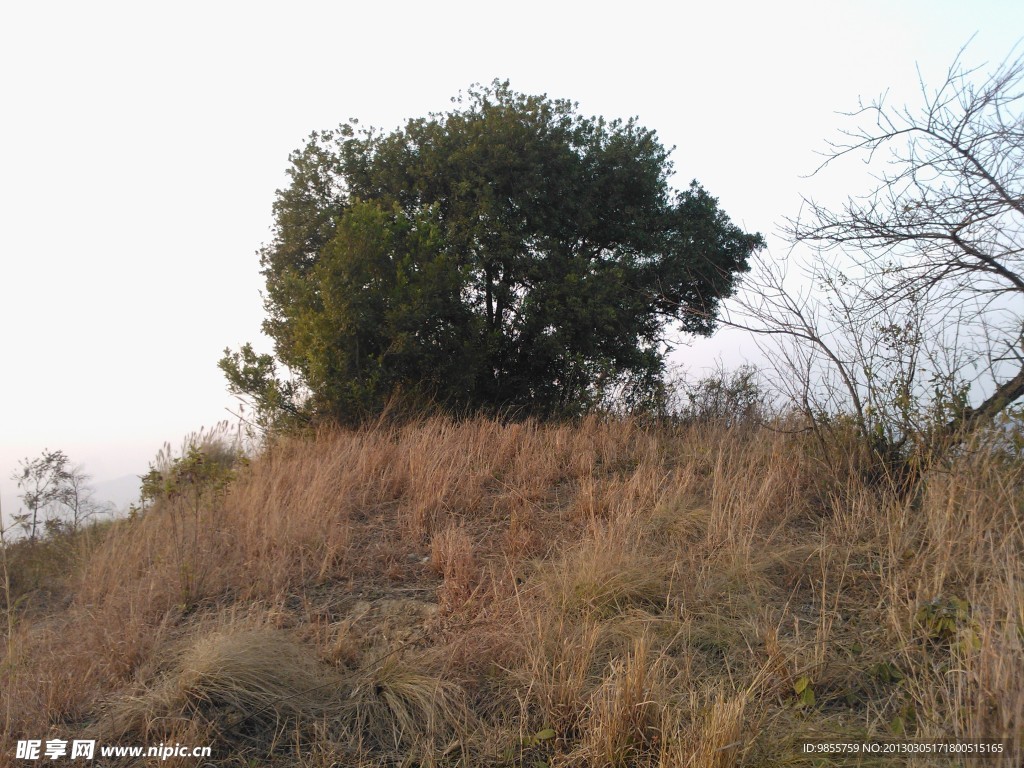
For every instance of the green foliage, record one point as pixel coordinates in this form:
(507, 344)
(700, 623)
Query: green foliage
(804, 691)
(196, 477)
(947, 623)
(886, 672)
(275, 402)
(904, 723)
(535, 744)
(509, 253)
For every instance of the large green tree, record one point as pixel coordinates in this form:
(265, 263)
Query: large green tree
(509, 253)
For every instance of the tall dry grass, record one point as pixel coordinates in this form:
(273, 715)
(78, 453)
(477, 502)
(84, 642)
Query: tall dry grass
(597, 594)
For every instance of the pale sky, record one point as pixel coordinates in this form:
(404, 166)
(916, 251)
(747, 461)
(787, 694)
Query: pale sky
(141, 145)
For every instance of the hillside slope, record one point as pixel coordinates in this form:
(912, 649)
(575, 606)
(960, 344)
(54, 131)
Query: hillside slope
(476, 593)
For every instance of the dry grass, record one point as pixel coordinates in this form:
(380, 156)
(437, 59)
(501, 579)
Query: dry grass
(255, 682)
(600, 594)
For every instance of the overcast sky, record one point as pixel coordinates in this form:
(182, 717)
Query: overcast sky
(141, 145)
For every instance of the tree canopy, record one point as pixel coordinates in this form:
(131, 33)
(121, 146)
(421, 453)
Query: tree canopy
(507, 254)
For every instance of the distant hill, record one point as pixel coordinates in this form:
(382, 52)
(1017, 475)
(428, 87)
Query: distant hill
(121, 491)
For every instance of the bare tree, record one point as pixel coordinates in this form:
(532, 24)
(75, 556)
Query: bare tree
(57, 495)
(893, 370)
(944, 225)
(914, 299)
(77, 504)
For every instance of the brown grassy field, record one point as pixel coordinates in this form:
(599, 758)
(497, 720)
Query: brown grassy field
(484, 594)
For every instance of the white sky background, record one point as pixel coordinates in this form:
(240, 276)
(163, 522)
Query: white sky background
(141, 145)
